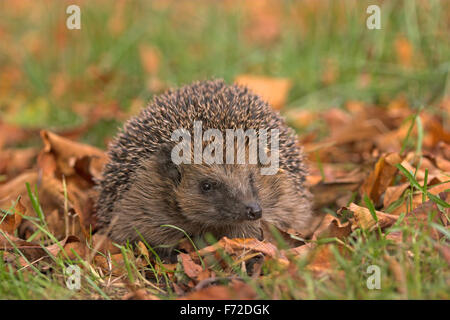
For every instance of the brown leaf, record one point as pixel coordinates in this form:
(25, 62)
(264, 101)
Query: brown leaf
(113, 264)
(237, 290)
(269, 229)
(273, 90)
(394, 193)
(140, 294)
(15, 161)
(11, 134)
(331, 227)
(443, 164)
(321, 259)
(301, 251)
(10, 223)
(242, 248)
(417, 198)
(377, 182)
(435, 132)
(362, 218)
(73, 243)
(103, 244)
(420, 215)
(32, 251)
(326, 193)
(67, 153)
(189, 266)
(52, 200)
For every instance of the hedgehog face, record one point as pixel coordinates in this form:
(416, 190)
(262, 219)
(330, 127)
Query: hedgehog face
(219, 194)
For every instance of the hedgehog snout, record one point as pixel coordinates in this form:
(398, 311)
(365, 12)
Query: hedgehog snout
(253, 211)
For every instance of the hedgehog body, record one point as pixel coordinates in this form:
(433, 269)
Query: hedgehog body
(142, 189)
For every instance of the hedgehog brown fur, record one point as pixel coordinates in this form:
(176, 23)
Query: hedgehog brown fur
(144, 189)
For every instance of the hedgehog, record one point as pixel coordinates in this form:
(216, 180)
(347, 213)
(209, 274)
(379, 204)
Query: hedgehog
(146, 195)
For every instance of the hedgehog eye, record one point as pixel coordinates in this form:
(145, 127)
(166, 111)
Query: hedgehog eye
(206, 186)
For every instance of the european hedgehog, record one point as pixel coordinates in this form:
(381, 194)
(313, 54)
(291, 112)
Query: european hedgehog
(146, 190)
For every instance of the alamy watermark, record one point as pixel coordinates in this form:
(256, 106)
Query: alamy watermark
(374, 280)
(374, 20)
(73, 281)
(74, 20)
(258, 146)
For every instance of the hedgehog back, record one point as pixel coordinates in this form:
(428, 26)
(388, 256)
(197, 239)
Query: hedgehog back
(214, 103)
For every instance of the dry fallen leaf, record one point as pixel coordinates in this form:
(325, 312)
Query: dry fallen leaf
(273, 90)
(67, 153)
(418, 198)
(332, 227)
(140, 294)
(33, 252)
(189, 266)
(237, 290)
(378, 181)
(362, 218)
(9, 223)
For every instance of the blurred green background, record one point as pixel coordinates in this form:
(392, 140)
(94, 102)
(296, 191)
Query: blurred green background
(127, 51)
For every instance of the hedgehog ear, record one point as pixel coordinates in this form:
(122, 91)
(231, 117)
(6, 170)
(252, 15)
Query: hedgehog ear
(166, 166)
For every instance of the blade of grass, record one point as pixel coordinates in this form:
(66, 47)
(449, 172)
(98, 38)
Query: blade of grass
(414, 182)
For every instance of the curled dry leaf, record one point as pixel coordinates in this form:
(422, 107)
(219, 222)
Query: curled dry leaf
(52, 201)
(332, 227)
(66, 154)
(74, 248)
(240, 248)
(10, 222)
(378, 181)
(79, 164)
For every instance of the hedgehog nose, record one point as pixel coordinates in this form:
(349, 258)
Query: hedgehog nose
(253, 211)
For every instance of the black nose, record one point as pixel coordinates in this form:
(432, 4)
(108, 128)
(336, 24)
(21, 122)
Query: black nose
(253, 211)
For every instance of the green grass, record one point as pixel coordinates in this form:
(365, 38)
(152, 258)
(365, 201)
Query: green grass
(419, 272)
(424, 273)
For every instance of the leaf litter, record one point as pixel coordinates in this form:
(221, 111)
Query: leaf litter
(356, 174)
